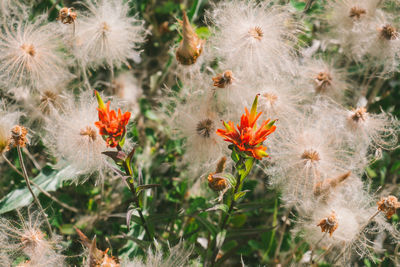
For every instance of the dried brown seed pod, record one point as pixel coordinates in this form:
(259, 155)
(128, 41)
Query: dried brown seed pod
(329, 224)
(191, 45)
(356, 12)
(389, 32)
(324, 187)
(323, 80)
(388, 205)
(217, 184)
(223, 79)
(18, 136)
(67, 15)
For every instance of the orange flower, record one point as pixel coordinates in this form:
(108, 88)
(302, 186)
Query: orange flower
(249, 137)
(112, 126)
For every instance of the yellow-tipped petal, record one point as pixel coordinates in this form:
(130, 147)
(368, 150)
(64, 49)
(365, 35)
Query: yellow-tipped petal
(253, 111)
(269, 125)
(99, 100)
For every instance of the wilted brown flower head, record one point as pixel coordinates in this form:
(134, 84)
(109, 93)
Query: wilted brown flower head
(18, 136)
(388, 205)
(89, 132)
(388, 32)
(359, 114)
(216, 183)
(32, 239)
(324, 187)
(223, 79)
(356, 12)
(329, 224)
(191, 45)
(323, 80)
(205, 128)
(97, 258)
(67, 15)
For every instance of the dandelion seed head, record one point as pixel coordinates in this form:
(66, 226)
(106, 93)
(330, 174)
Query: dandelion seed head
(73, 137)
(107, 36)
(31, 56)
(253, 37)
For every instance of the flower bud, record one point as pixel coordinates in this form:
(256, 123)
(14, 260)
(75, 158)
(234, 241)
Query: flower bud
(191, 45)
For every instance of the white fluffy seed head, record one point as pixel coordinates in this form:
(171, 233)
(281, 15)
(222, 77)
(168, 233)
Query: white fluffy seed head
(307, 151)
(31, 55)
(349, 23)
(253, 37)
(107, 36)
(323, 79)
(26, 236)
(177, 256)
(382, 44)
(197, 123)
(127, 90)
(73, 137)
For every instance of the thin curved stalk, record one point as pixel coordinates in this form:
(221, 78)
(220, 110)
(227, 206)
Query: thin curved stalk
(28, 183)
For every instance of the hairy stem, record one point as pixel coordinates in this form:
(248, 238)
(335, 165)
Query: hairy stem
(28, 183)
(225, 219)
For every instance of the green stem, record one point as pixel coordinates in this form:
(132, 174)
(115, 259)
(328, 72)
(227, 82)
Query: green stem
(232, 202)
(132, 188)
(25, 174)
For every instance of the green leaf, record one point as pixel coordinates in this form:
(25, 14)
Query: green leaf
(128, 160)
(220, 239)
(208, 225)
(146, 186)
(240, 194)
(235, 156)
(298, 5)
(238, 220)
(222, 207)
(19, 198)
(117, 156)
(245, 170)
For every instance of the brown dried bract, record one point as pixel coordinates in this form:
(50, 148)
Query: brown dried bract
(389, 32)
(67, 15)
(18, 136)
(257, 33)
(388, 205)
(357, 12)
(205, 128)
(217, 184)
(359, 114)
(97, 258)
(29, 49)
(329, 224)
(220, 165)
(191, 45)
(322, 188)
(323, 80)
(224, 79)
(90, 132)
(311, 155)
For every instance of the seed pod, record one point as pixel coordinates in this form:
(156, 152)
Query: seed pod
(388, 205)
(217, 184)
(329, 224)
(191, 45)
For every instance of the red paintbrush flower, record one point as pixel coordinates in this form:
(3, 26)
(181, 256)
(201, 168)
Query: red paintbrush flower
(112, 126)
(248, 137)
